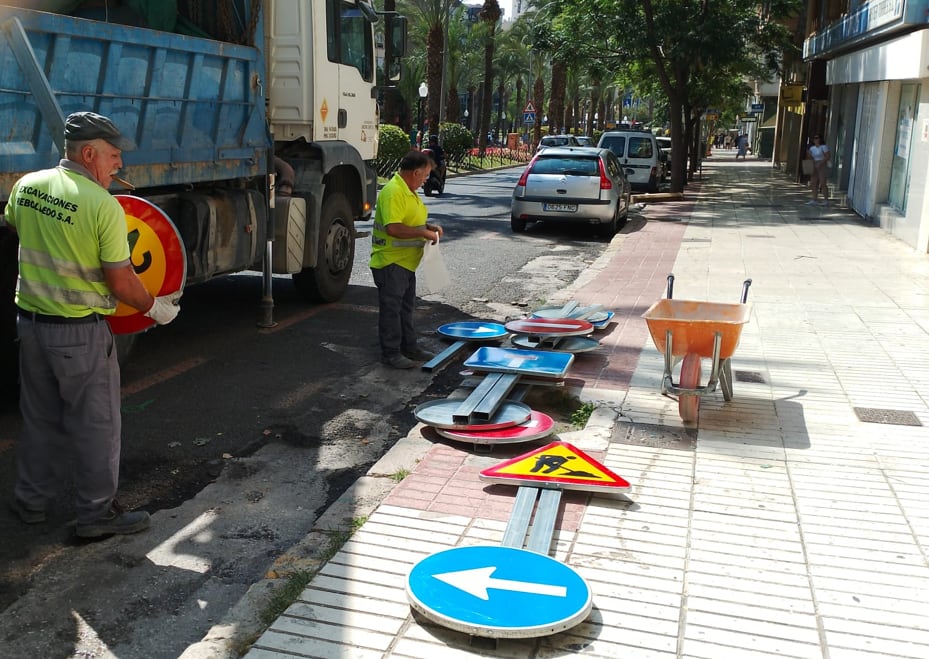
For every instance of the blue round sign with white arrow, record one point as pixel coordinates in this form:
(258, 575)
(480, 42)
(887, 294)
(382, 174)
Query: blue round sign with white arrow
(473, 330)
(498, 592)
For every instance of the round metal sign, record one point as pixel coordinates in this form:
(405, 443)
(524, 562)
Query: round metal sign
(440, 414)
(573, 344)
(157, 255)
(550, 326)
(498, 592)
(473, 331)
(538, 426)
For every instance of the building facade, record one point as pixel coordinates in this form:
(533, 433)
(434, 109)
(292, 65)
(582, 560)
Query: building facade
(867, 92)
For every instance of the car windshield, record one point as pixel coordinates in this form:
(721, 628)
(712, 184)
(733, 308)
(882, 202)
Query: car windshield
(555, 141)
(567, 166)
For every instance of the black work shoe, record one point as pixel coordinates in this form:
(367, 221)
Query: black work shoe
(26, 514)
(115, 522)
(398, 361)
(418, 355)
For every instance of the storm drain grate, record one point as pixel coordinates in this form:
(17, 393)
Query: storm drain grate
(653, 436)
(892, 417)
(749, 376)
(696, 240)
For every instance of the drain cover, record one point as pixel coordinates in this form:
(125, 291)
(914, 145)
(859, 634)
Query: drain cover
(893, 417)
(749, 376)
(653, 436)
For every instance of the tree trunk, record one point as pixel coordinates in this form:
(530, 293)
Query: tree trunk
(435, 41)
(490, 14)
(556, 109)
(538, 97)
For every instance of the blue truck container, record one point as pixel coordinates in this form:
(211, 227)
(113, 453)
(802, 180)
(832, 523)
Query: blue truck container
(201, 98)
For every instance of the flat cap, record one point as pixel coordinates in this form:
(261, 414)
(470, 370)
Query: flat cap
(85, 126)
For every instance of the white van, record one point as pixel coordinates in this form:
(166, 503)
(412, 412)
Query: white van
(639, 155)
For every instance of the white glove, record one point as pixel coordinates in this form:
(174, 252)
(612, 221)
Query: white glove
(165, 308)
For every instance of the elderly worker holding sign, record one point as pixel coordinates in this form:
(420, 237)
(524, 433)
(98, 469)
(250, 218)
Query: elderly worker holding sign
(73, 268)
(400, 233)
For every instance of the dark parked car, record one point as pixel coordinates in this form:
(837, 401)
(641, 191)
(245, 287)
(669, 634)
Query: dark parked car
(572, 184)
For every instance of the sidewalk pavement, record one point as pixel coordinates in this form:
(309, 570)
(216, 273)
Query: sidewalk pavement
(783, 523)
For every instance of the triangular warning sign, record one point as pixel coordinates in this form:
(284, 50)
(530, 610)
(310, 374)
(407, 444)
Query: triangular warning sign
(529, 107)
(557, 465)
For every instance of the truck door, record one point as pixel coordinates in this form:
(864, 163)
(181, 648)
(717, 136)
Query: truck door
(357, 110)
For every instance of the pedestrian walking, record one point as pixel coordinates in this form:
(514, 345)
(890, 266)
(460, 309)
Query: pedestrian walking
(820, 154)
(400, 232)
(742, 144)
(73, 268)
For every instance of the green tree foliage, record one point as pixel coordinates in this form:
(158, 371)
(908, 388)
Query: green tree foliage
(694, 47)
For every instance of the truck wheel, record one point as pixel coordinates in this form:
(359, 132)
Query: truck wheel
(335, 253)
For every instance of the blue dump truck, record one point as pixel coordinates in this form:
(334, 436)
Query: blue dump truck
(255, 121)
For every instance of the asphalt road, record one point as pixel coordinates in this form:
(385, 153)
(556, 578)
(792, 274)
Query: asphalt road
(236, 438)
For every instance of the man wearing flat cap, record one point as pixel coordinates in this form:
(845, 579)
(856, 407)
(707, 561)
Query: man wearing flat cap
(73, 269)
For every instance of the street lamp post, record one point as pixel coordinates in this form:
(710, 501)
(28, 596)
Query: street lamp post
(466, 115)
(423, 93)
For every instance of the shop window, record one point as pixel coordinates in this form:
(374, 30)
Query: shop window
(903, 146)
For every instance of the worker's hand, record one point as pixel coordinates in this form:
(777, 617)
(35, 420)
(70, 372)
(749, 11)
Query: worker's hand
(437, 230)
(165, 308)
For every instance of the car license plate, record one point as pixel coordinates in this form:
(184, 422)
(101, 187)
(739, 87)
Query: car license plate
(561, 208)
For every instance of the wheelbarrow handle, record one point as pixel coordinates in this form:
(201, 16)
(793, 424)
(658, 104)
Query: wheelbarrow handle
(745, 285)
(670, 293)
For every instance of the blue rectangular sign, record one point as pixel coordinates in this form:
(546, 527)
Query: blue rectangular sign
(539, 363)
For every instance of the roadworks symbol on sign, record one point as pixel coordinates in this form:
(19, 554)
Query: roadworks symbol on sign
(558, 465)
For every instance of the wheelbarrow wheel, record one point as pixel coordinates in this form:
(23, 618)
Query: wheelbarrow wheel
(689, 404)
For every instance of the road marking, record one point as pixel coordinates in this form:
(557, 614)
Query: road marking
(161, 376)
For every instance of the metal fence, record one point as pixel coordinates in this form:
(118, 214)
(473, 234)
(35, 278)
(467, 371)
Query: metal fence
(468, 161)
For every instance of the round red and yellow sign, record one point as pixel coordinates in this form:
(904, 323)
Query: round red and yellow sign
(157, 255)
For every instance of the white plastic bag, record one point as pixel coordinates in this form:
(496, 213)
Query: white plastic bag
(432, 276)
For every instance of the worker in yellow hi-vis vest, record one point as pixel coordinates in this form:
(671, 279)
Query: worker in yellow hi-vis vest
(400, 233)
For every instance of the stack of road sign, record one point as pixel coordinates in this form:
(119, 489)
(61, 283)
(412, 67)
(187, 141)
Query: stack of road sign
(561, 334)
(565, 328)
(486, 416)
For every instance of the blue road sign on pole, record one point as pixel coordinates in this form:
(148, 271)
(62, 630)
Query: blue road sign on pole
(498, 592)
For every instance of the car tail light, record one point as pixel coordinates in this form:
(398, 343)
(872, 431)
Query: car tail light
(521, 183)
(605, 182)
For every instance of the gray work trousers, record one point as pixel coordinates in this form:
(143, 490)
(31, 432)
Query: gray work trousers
(396, 294)
(70, 400)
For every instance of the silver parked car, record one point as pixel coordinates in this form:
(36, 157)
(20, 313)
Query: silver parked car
(572, 184)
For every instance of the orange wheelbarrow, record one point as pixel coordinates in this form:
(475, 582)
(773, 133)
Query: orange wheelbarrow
(686, 331)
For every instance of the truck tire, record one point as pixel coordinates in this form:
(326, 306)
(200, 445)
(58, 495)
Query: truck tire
(335, 253)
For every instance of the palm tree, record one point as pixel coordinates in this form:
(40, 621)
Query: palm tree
(490, 15)
(431, 14)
